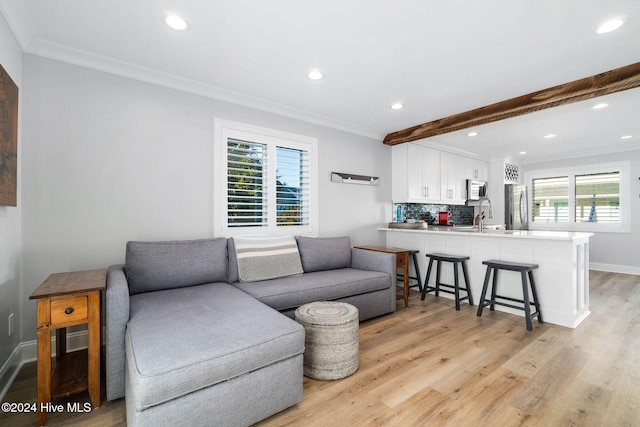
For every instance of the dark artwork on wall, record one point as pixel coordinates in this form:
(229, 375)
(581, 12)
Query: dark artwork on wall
(8, 139)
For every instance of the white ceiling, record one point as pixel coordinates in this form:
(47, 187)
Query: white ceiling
(437, 57)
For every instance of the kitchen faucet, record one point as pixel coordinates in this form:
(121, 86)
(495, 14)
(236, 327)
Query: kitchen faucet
(481, 222)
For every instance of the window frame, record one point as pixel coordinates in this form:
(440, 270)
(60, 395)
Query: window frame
(227, 129)
(623, 168)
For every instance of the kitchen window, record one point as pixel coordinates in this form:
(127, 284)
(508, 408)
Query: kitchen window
(550, 197)
(598, 197)
(589, 198)
(265, 181)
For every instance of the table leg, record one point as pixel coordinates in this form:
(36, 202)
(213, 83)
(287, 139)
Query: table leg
(94, 348)
(405, 269)
(61, 342)
(44, 359)
(402, 261)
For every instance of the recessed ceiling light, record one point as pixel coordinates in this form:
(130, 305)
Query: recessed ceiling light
(397, 106)
(600, 106)
(549, 136)
(610, 25)
(523, 152)
(315, 75)
(626, 137)
(472, 134)
(175, 22)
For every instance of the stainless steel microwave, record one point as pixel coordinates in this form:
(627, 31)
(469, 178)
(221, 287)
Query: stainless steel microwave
(476, 189)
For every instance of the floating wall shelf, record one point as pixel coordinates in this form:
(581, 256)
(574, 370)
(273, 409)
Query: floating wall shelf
(348, 178)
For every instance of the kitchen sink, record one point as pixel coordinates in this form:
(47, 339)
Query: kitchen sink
(475, 229)
(464, 228)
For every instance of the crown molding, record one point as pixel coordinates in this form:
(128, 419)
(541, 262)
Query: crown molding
(453, 150)
(17, 18)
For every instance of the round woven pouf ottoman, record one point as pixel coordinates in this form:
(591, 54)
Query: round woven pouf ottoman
(331, 339)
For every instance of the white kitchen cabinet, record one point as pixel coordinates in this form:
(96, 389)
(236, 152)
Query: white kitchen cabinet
(425, 175)
(476, 169)
(453, 173)
(416, 174)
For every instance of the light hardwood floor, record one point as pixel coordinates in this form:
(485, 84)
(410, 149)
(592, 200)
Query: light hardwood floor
(431, 365)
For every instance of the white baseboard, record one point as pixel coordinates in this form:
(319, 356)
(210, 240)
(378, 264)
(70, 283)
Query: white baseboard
(28, 351)
(75, 341)
(10, 370)
(614, 268)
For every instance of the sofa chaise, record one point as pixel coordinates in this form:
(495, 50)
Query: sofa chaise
(189, 341)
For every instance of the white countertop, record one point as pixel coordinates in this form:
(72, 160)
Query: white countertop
(511, 234)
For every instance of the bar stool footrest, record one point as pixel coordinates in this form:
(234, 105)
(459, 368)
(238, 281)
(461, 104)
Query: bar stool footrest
(433, 289)
(415, 285)
(488, 303)
(417, 278)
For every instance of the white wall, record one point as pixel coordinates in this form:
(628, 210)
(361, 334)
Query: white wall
(611, 251)
(108, 159)
(10, 295)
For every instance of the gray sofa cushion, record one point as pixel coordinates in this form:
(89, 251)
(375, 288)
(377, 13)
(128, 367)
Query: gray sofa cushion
(328, 253)
(292, 292)
(186, 339)
(153, 266)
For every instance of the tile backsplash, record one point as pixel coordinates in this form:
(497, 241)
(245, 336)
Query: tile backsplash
(460, 215)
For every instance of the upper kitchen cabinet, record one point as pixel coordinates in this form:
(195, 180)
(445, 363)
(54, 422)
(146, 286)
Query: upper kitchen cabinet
(476, 169)
(416, 174)
(427, 175)
(453, 169)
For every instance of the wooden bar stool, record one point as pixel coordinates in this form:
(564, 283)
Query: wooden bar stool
(417, 277)
(456, 260)
(525, 270)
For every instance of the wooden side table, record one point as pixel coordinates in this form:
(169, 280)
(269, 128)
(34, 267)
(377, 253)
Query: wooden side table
(402, 261)
(68, 299)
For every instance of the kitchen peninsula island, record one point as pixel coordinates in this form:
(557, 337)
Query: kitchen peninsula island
(562, 279)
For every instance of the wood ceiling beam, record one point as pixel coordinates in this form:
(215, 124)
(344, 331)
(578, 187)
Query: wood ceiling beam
(617, 80)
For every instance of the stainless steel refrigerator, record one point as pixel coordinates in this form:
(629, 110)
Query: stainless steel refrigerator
(516, 207)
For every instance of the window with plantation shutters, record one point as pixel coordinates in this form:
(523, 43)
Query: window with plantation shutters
(267, 183)
(550, 196)
(247, 184)
(590, 198)
(292, 187)
(598, 197)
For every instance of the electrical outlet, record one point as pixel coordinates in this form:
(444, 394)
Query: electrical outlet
(10, 324)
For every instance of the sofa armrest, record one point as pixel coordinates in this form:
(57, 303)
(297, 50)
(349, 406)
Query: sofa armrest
(363, 259)
(117, 317)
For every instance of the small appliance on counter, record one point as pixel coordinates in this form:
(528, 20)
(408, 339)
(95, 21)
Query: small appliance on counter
(444, 218)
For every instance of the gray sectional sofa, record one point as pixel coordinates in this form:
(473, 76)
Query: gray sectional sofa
(189, 343)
